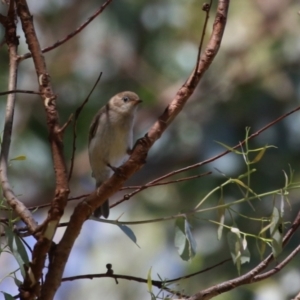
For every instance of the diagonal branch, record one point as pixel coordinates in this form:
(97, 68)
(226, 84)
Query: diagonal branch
(30, 287)
(76, 116)
(158, 283)
(12, 43)
(72, 34)
(252, 275)
(136, 160)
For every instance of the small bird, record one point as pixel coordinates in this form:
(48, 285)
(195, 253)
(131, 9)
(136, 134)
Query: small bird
(110, 139)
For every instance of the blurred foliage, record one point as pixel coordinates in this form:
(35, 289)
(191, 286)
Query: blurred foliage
(150, 47)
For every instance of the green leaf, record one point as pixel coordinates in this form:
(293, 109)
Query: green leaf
(184, 240)
(236, 231)
(259, 156)
(191, 241)
(152, 296)
(20, 157)
(276, 231)
(10, 237)
(8, 296)
(238, 248)
(21, 250)
(228, 148)
(180, 239)
(129, 233)
(261, 245)
(245, 255)
(242, 184)
(286, 179)
(17, 281)
(221, 217)
(12, 244)
(149, 281)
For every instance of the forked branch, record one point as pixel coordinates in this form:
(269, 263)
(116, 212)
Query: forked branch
(136, 160)
(12, 43)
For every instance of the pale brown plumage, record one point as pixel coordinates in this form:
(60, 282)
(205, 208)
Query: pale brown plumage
(110, 137)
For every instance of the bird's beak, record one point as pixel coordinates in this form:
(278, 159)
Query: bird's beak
(136, 102)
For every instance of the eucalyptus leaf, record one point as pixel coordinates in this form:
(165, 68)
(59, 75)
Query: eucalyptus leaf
(276, 231)
(180, 239)
(20, 157)
(259, 156)
(149, 281)
(191, 240)
(184, 240)
(129, 233)
(15, 248)
(238, 248)
(221, 217)
(8, 296)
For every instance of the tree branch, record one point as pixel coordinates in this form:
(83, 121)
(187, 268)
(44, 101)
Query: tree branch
(76, 116)
(12, 43)
(136, 160)
(69, 36)
(19, 91)
(252, 275)
(30, 287)
(158, 283)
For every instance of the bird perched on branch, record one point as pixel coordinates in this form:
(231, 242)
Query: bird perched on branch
(110, 139)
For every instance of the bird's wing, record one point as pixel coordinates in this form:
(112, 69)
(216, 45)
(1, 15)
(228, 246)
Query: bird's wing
(95, 122)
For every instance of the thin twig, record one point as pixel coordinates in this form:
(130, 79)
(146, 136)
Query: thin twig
(154, 183)
(197, 165)
(25, 243)
(214, 158)
(19, 91)
(147, 185)
(158, 283)
(132, 187)
(77, 113)
(63, 128)
(69, 36)
(206, 7)
(278, 267)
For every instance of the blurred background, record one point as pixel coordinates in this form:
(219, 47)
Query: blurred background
(150, 47)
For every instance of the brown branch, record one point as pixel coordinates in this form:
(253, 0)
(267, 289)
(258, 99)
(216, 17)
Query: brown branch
(278, 267)
(30, 287)
(19, 91)
(251, 275)
(157, 283)
(135, 162)
(131, 187)
(63, 128)
(170, 174)
(12, 43)
(206, 7)
(197, 165)
(69, 36)
(77, 113)
(153, 184)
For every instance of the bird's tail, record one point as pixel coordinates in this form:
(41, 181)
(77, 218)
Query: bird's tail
(103, 210)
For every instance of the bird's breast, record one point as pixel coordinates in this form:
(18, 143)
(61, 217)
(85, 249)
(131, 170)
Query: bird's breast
(111, 141)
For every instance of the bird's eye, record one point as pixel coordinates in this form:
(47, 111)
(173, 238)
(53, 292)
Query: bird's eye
(125, 99)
